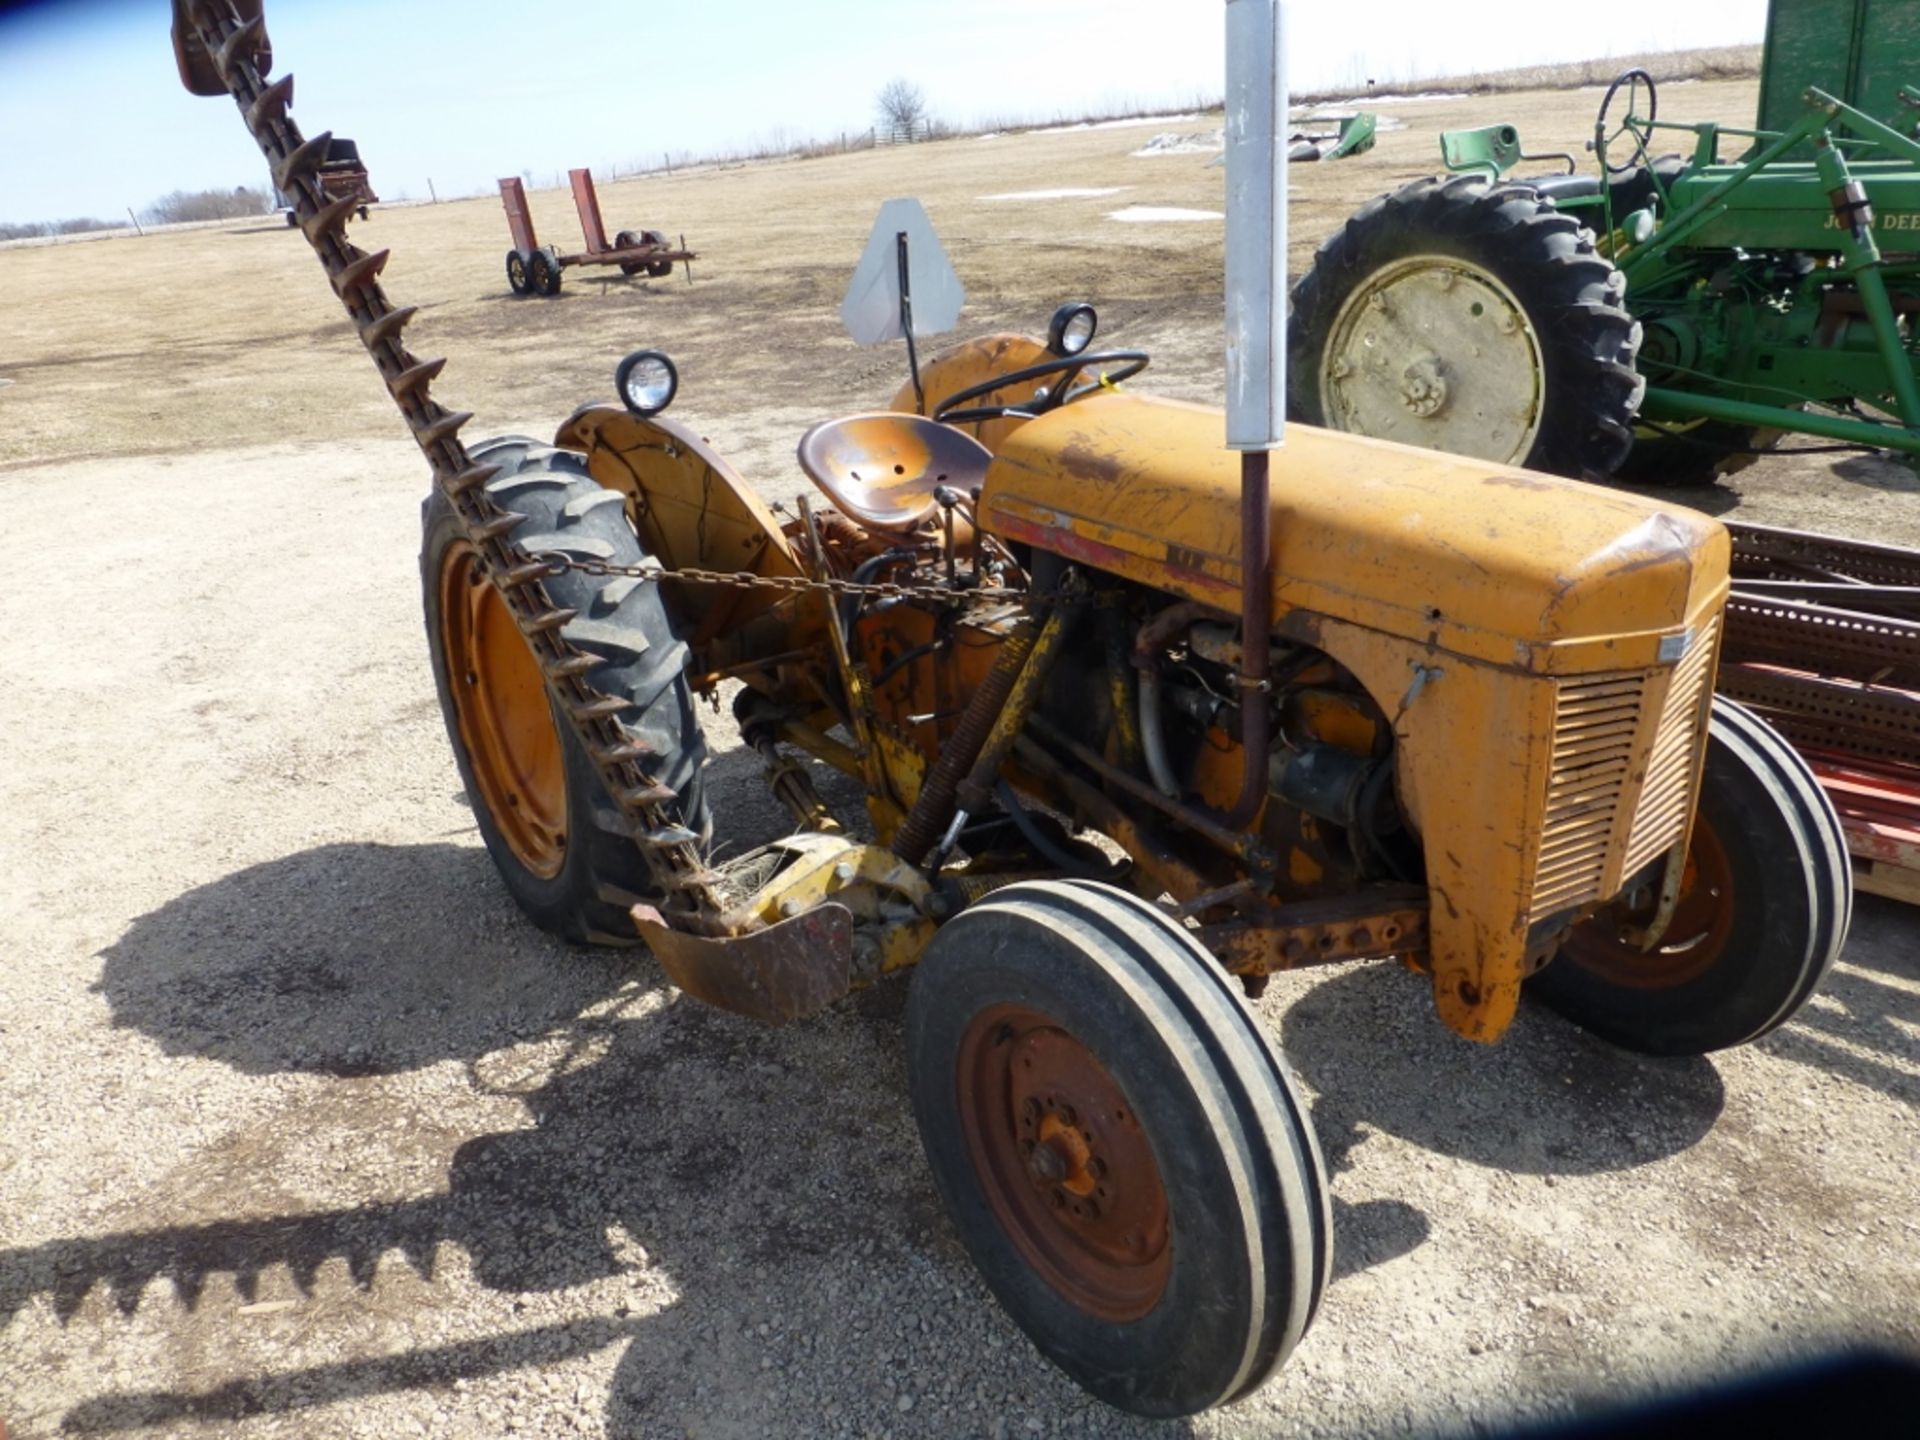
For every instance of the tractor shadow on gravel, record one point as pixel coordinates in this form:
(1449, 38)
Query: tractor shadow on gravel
(1547, 1100)
(745, 1211)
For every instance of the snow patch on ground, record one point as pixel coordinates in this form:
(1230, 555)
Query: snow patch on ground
(1068, 193)
(1129, 124)
(1173, 143)
(1151, 214)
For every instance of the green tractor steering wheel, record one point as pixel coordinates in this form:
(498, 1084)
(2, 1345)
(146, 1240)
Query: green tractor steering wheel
(1631, 123)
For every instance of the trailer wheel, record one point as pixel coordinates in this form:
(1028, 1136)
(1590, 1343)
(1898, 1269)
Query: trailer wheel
(293, 219)
(1119, 1144)
(543, 272)
(658, 269)
(518, 280)
(1763, 912)
(1473, 318)
(559, 843)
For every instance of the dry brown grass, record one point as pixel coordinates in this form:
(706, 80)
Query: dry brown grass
(1718, 62)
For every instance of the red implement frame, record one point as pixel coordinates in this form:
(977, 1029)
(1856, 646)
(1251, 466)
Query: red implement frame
(513, 196)
(1823, 642)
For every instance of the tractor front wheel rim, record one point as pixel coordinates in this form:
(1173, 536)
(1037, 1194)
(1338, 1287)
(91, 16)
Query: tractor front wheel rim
(1064, 1163)
(1694, 938)
(1435, 351)
(506, 724)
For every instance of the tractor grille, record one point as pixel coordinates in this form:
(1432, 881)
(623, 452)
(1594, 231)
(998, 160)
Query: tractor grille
(1602, 724)
(1596, 720)
(1666, 798)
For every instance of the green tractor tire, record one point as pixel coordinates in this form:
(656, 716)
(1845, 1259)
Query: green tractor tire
(1473, 318)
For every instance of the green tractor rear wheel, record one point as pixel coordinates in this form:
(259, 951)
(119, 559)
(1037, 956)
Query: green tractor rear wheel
(1473, 318)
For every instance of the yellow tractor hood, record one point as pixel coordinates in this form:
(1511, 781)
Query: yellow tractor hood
(1500, 564)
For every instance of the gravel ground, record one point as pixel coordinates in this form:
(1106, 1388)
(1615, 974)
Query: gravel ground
(308, 1133)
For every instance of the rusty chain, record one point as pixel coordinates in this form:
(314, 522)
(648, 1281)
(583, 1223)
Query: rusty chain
(801, 585)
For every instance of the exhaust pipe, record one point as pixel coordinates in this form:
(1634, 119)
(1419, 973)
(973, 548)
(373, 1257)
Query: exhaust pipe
(1256, 342)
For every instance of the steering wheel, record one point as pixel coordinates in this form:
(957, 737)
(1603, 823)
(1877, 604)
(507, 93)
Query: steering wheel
(954, 410)
(1642, 133)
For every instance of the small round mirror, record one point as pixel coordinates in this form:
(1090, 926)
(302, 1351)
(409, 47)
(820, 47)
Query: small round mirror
(646, 381)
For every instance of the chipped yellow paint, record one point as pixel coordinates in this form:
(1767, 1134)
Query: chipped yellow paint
(1499, 564)
(1457, 592)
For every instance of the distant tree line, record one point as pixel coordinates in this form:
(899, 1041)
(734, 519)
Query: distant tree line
(173, 208)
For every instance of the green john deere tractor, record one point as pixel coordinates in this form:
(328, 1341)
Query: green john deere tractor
(1665, 319)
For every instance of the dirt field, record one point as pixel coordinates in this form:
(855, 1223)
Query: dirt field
(303, 1131)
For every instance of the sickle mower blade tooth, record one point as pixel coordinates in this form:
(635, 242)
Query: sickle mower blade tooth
(783, 973)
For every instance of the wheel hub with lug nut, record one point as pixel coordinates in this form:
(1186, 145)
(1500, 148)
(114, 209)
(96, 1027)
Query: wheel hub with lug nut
(1066, 1164)
(1478, 386)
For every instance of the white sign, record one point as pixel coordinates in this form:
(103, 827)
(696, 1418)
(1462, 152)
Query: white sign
(1256, 225)
(871, 311)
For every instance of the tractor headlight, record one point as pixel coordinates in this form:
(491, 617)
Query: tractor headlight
(1071, 329)
(646, 381)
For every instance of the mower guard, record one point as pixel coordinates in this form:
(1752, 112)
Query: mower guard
(787, 971)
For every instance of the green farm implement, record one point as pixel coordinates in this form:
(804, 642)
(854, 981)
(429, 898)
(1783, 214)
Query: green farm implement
(1666, 318)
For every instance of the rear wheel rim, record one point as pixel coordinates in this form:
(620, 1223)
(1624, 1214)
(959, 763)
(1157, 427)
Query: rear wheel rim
(1064, 1163)
(506, 724)
(1435, 351)
(1695, 939)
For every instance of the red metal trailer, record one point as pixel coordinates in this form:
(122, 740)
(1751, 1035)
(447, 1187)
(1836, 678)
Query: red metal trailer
(534, 269)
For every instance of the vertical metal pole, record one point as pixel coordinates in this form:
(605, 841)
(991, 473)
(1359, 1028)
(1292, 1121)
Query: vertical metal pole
(1256, 343)
(906, 317)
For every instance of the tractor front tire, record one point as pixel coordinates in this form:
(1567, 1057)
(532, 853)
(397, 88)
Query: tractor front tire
(560, 844)
(1119, 1145)
(1470, 317)
(1763, 911)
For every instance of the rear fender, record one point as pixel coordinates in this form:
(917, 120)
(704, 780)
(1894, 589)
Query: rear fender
(692, 510)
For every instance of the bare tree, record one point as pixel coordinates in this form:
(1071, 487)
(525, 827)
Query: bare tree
(901, 106)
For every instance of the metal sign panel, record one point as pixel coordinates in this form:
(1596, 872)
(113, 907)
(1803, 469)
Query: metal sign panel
(1256, 225)
(871, 311)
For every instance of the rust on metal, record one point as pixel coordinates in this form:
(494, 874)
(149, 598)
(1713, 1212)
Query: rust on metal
(225, 42)
(1064, 1163)
(785, 972)
(1823, 643)
(1368, 925)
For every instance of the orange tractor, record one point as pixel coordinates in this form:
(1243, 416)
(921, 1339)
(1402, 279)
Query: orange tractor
(1138, 723)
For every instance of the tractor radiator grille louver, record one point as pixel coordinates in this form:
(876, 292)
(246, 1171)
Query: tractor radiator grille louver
(1596, 720)
(1666, 799)
(1602, 726)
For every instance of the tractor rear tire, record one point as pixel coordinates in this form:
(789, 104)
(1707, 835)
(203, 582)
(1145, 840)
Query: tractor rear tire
(1761, 918)
(1119, 1145)
(560, 844)
(1560, 391)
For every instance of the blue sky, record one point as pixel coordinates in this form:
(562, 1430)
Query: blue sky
(92, 118)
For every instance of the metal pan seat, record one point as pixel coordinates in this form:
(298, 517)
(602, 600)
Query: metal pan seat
(882, 470)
